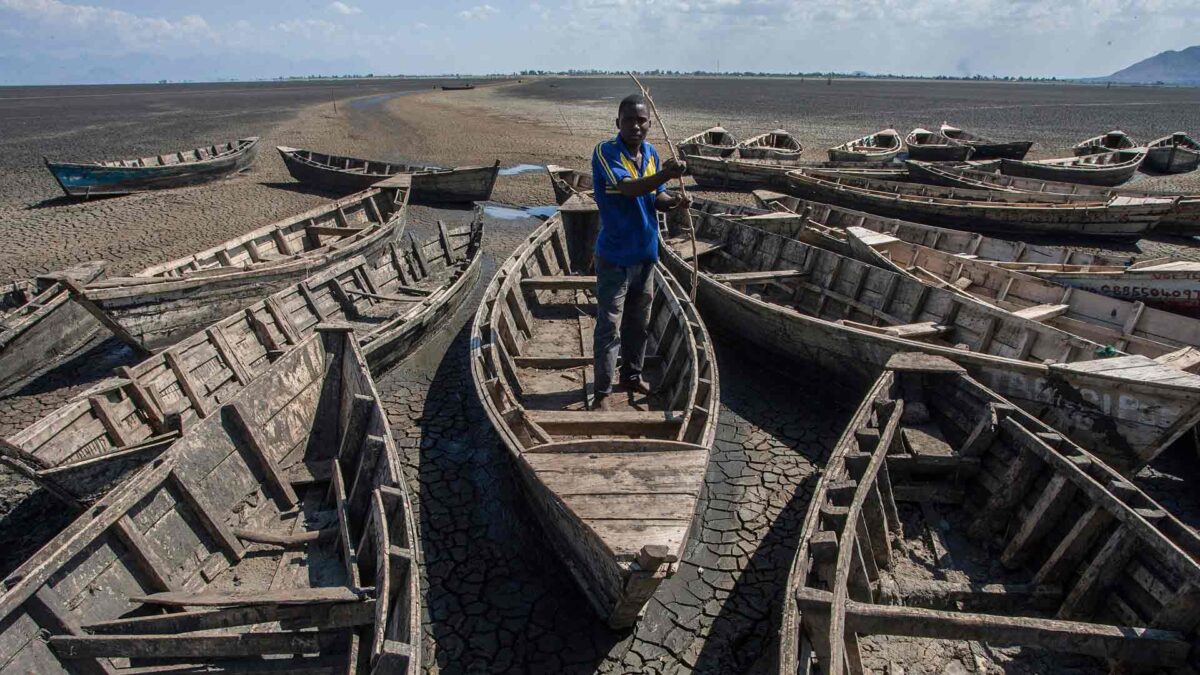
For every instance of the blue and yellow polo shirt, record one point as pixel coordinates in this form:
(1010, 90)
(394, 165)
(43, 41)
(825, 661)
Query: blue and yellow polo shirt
(628, 226)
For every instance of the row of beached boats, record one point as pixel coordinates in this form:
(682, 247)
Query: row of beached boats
(242, 504)
(1108, 159)
(323, 171)
(990, 431)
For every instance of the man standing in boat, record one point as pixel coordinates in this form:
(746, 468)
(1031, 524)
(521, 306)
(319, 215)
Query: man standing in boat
(630, 185)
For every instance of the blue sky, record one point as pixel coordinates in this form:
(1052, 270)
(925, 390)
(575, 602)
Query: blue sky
(137, 40)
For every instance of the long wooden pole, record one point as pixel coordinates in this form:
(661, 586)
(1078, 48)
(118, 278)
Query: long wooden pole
(682, 187)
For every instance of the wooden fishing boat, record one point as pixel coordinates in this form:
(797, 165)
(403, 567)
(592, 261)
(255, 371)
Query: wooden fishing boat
(811, 306)
(958, 242)
(567, 183)
(1129, 326)
(277, 535)
(159, 305)
(392, 302)
(936, 147)
(714, 142)
(778, 145)
(945, 512)
(747, 174)
(983, 210)
(1105, 143)
(458, 87)
(175, 169)
(1177, 153)
(1165, 283)
(40, 325)
(429, 183)
(881, 146)
(614, 490)
(1110, 168)
(1183, 219)
(986, 148)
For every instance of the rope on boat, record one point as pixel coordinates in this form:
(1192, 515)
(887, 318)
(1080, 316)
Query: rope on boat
(682, 187)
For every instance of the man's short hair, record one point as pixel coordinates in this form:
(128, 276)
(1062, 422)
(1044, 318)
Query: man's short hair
(630, 101)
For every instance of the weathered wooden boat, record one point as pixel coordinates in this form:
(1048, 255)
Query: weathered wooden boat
(1183, 219)
(614, 490)
(1166, 283)
(1177, 153)
(1082, 562)
(936, 147)
(986, 148)
(277, 535)
(881, 146)
(1105, 143)
(159, 305)
(392, 302)
(983, 210)
(778, 145)
(40, 325)
(567, 183)
(814, 307)
(1110, 168)
(747, 174)
(457, 87)
(958, 242)
(714, 142)
(429, 183)
(1128, 325)
(175, 169)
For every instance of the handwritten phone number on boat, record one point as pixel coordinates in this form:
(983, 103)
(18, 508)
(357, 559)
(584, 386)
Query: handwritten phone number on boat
(1143, 292)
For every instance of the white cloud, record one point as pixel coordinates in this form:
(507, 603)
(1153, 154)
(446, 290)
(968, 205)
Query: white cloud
(478, 12)
(342, 8)
(308, 28)
(127, 29)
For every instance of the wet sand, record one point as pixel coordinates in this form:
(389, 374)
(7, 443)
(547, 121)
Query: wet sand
(496, 599)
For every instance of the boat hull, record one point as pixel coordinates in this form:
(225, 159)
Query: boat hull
(1128, 421)
(940, 153)
(91, 180)
(990, 150)
(736, 174)
(1172, 159)
(836, 155)
(39, 334)
(1104, 175)
(1177, 292)
(463, 184)
(1100, 220)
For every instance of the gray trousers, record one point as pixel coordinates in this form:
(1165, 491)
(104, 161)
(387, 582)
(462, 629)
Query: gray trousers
(623, 296)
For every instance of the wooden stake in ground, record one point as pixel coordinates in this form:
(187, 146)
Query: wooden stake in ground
(682, 187)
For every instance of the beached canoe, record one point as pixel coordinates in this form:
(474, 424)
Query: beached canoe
(567, 183)
(986, 148)
(1128, 325)
(933, 146)
(277, 533)
(1082, 562)
(429, 183)
(881, 146)
(1105, 143)
(40, 325)
(1165, 283)
(614, 490)
(172, 170)
(714, 142)
(958, 242)
(748, 174)
(162, 304)
(778, 145)
(1109, 169)
(1177, 153)
(983, 210)
(393, 302)
(822, 310)
(1183, 219)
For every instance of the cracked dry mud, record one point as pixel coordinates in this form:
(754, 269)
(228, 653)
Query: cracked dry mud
(497, 599)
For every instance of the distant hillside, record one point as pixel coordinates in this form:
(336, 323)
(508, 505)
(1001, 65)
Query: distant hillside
(1169, 67)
